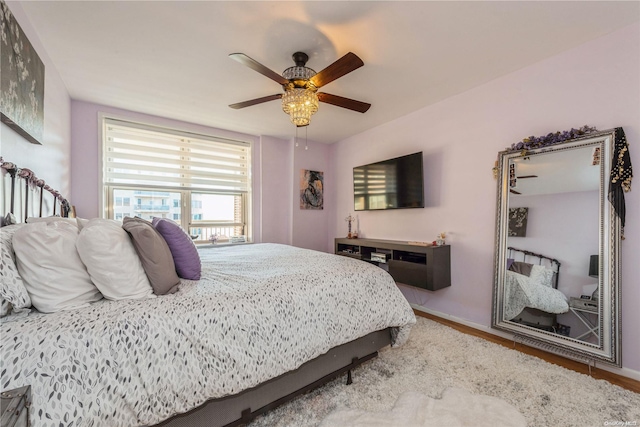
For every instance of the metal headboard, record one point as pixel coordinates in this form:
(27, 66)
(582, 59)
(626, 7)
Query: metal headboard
(35, 187)
(552, 261)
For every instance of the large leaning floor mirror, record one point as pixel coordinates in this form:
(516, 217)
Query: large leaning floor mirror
(560, 218)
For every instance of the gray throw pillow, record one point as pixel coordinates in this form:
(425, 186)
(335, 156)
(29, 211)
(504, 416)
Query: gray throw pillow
(154, 254)
(523, 268)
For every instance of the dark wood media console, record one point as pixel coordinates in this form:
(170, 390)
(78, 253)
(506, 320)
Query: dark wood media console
(426, 267)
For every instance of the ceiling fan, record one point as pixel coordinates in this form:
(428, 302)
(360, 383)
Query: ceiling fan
(301, 84)
(522, 177)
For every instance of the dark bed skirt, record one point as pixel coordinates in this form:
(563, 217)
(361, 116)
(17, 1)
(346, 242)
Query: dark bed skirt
(241, 408)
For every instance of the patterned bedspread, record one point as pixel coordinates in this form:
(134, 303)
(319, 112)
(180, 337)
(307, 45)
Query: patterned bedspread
(259, 311)
(521, 292)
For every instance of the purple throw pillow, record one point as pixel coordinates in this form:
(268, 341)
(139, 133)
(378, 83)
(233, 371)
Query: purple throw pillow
(184, 252)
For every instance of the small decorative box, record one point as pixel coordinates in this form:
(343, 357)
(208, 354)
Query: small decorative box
(15, 407)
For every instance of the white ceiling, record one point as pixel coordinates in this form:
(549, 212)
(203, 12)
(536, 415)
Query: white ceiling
(170, 58)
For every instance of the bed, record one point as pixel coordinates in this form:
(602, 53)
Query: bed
(264, 322)
(531, 294)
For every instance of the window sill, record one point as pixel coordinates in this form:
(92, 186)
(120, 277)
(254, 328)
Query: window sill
(215, 245)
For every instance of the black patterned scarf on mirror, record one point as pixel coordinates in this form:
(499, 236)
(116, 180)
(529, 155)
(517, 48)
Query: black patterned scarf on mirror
(621, 174)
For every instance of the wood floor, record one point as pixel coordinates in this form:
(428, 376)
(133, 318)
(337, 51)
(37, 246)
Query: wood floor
(616, 379)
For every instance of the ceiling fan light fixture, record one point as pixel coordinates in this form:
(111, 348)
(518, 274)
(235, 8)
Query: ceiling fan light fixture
(300, 84)
(300, 104)
(298, 73)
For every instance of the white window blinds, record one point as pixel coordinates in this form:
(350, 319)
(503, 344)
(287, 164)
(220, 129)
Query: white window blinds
(136, 154)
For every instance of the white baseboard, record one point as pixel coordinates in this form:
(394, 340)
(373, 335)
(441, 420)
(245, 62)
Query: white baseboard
(625, 372)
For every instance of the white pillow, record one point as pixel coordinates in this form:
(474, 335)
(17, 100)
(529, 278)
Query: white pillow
(49, 219)
(50, 267)
(81, 222)
(112, 261)
(541, 275)
(13, 293)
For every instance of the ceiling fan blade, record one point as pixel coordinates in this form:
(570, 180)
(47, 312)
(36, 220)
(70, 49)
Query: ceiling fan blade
(350, 104)
(256, 66)
(515, 192)
(342, 66)
(527, 176)
(255, 101)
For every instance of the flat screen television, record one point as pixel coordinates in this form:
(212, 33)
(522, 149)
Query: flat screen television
(391, 184)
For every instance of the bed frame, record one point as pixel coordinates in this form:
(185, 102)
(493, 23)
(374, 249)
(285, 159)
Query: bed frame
(34, 191)
(241, 408)
(553, 263)
(229, 411)
(530, 316)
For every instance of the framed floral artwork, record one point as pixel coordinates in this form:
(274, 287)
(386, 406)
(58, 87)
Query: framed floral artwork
(21, 81)
(518, 222)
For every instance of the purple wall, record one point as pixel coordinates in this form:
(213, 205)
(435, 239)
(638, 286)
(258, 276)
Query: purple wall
(596, 84)
(276, 215)
(310, 228)
(85, 154)
(277, 166)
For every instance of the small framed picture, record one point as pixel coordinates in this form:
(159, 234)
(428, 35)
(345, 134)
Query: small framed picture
(596, 157)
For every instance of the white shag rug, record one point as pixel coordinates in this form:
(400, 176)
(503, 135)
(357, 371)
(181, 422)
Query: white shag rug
(437, 358)
(457, 408)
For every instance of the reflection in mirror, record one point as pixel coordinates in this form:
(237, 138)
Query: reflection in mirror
(554, 226)
(553, 210)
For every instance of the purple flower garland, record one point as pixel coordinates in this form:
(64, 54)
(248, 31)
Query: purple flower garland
(534, 142)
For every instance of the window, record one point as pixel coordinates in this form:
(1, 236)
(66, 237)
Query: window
(224, 209)
(200, 181)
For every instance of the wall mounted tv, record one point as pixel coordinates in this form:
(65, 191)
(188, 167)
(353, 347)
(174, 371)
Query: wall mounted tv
(391, 184)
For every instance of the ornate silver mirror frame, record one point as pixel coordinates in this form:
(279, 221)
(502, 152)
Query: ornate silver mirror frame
(603, 344)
